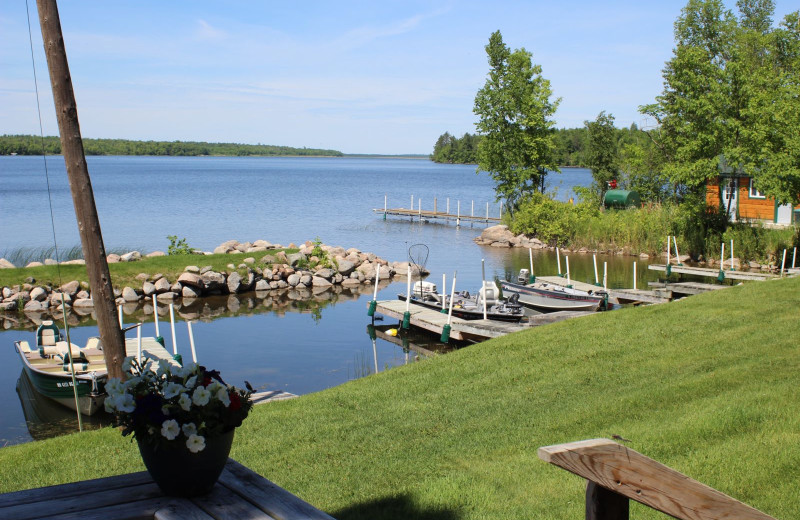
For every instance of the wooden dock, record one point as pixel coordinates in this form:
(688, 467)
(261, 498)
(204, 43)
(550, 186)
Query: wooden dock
(684, 288)
(425, 215)
(466, 330)
(710, 272)
(150, 348)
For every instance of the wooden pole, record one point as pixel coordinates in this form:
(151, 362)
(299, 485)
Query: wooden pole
(81, 187)
(604, 504)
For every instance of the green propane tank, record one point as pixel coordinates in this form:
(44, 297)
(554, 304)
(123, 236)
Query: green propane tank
(621, 199)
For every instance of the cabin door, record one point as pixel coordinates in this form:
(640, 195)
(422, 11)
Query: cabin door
(730, 197)
(784, 214)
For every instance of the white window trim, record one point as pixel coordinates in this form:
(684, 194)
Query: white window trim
(754, 193)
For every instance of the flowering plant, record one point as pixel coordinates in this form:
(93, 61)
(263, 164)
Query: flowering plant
(170, 404)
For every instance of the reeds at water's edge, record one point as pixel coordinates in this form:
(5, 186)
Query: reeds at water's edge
(22, 256)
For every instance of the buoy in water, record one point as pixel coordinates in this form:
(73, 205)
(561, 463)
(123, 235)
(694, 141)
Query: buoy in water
(392, 332)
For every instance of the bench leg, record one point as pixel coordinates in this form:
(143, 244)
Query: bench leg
(604, 504)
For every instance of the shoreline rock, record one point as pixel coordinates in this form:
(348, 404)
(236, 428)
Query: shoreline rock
(302, 270)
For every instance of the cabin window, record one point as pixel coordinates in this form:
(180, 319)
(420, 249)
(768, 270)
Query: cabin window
(754, 193)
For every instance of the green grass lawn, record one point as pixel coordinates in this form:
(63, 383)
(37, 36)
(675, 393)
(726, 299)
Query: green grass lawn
(707, 385)
(124, 273)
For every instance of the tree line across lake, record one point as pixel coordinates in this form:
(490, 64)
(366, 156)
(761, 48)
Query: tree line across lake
(572, 146)
(34, 145)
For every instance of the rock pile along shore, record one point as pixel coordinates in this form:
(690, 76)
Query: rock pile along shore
(315, 267)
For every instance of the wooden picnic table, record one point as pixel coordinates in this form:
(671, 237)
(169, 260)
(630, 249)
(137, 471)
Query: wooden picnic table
(239, 494)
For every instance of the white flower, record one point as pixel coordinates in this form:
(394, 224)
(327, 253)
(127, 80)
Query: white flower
(163, 368)
(124, 403)
(165, 409)
(201, 396)
(170, 429)
(196, 443)
(190, 383)
(127, 364)
(185, 402)
(114, 386)
(171, 390)
(187, 370)
(222, 395)
(214, 386)
(109, 404)
(189, 429)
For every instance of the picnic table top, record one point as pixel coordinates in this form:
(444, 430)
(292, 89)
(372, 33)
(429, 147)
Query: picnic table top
(239, 494)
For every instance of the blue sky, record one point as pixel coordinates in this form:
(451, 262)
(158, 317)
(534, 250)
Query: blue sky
(360, 77)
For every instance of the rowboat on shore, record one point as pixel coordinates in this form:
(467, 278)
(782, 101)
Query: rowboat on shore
(47, 366)
(465, 305)
(545, 297)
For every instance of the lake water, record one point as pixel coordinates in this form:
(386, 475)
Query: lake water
(299, 347)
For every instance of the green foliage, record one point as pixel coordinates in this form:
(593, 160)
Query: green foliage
(453, 150)
(178, 246)
(32, 145)
(730, 91)
(603, 151)
(515, 113)
(549, 220)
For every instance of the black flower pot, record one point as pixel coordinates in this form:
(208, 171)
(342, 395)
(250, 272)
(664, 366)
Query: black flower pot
(181, 473)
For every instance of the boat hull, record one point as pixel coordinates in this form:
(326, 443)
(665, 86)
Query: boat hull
(466, 313)
(56, 383)
(553, 298)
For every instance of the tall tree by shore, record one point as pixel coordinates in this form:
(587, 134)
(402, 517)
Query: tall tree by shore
(515, 113)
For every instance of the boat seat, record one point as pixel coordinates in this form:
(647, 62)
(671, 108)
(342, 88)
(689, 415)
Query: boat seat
(25, 348)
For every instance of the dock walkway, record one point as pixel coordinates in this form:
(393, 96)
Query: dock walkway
(466, 330)
(710, 272)
(435, 215)
(614, 295)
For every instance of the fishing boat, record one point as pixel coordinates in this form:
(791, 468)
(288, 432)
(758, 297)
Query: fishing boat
(465, 305)
(47, 366)
(545, 297)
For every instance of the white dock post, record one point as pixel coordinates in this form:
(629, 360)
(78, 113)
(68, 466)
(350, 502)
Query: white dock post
(722, 257)
(139, 344)
(172, 327)
(385, 203)
(530, 258)
(794, 256)
(155, 314)
(596, 278)
(634, 276)
(191, 341)
(605, 276)
(119, 311)
(487, 212)
(731, 254)
(483, 285)
(569, 282)
(472, 211)
(448, 212)
(677, 254)
(444, 288)
(419, 203)
(411, 207)
(558, 259)
(783, 262)
(458, 214)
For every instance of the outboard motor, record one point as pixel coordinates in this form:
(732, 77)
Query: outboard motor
(524, 276)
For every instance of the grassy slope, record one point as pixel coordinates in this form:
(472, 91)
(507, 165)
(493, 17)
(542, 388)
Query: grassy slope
(707, 385)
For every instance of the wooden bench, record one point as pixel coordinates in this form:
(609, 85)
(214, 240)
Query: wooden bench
(616, 473)
(240, 494)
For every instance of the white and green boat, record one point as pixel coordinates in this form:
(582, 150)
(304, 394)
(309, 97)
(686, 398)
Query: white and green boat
(48, 368)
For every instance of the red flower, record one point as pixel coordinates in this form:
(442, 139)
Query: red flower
(236, 401)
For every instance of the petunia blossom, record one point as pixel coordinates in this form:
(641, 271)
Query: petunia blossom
(189, 429)
(170, 429)
(185, 402)
(222, 395)
(201, 396)
(125, 403)
(172, 389)
(196, 443)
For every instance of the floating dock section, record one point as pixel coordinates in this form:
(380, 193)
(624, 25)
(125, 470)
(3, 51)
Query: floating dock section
(424, 215)
(710, 272)
(466, 330)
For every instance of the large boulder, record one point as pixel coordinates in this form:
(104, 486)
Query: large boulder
(191, 280)
(71, 288)
(495, 234)
(129, 294)
(148, 289)
(213, 280)
(5, 264)
(325, 273)
(294, 258)
(234, 282)
(38, 294)
(318, 281)
(345, 267)
(162, 285)
(133, 256)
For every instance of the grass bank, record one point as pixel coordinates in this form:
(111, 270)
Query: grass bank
(124, 273)
(707, 385)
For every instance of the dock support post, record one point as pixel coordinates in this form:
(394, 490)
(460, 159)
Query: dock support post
(419, 203)
(385, 205)
(434, 206)
(407, 313)
(472, 211)
(483, 285)
(596, 277)
(374, 303)
(448, 212)
(446, 329)
(191, 341)
(794, 256)
(458, 215)
(569, 281)
(677, 254)
(783, 262)
(531, 277)
(605, 276)
(487, 212)
(731, 255)
(634, 276)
